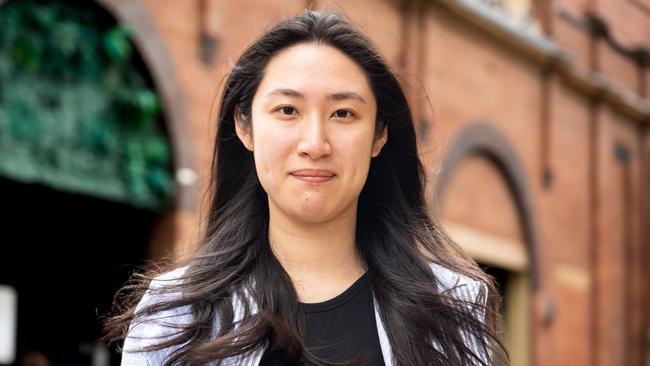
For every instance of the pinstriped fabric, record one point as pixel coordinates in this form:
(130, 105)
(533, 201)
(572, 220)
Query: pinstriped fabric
(164, 325)
(154, 330)
(468, 290)
(456, 285)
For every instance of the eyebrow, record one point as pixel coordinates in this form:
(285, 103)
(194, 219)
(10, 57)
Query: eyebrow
(346, 95)
(336, 96)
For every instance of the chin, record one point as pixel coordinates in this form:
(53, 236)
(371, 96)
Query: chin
(313, 208)
(312, 214)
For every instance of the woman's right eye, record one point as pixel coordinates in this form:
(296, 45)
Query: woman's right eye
(287, 110)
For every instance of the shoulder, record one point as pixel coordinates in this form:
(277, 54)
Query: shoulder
(473, 295)
(459, 285)
(168, 278)
(147, 330)
(163, 288)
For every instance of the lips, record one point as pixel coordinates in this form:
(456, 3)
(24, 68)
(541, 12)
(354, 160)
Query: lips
(313, 175)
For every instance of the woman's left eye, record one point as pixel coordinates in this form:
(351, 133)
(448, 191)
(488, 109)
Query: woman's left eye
(343, 113)
(287, 110)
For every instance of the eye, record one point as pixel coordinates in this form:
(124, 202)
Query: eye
(343, 113)
(287, 110)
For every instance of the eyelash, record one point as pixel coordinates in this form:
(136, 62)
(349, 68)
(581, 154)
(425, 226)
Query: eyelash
(283, 108)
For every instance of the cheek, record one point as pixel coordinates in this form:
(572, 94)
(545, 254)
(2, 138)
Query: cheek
(355, 151)
(271, 149)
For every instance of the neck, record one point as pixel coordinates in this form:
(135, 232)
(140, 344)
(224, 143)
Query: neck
(320, 258)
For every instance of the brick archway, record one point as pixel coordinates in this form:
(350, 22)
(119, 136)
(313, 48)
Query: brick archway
(486, 140)
(155, 55)
(157, 59)
(112, 254)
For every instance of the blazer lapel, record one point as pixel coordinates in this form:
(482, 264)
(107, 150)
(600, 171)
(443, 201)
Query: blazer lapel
(386, 350)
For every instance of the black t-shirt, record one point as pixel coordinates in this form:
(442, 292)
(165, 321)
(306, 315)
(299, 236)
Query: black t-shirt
(340, 329)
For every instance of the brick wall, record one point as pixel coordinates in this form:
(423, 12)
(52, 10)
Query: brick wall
(588, 215)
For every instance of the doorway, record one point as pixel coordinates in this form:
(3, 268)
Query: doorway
(66, 255)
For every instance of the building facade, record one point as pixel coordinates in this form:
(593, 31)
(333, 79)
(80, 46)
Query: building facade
(533, 121)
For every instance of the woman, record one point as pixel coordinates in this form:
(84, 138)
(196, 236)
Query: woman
(319, 248)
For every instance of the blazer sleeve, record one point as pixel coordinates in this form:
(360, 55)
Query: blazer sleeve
(154, 329)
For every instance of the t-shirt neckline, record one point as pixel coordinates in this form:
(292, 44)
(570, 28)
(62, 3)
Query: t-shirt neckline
(347, 295)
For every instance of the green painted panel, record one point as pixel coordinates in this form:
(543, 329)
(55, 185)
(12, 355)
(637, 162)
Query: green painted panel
(76, 112)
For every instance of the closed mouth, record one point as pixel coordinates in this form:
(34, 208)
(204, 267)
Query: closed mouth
(320, 173)
(313, 176)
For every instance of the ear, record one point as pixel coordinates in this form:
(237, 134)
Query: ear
(243, 129)
(380, 141)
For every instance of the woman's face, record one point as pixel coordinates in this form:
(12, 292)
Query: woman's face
(312, 132)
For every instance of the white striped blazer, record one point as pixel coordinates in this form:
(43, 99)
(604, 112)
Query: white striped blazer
(151, 331)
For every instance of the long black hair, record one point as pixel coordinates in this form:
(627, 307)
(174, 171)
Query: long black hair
(395, 233)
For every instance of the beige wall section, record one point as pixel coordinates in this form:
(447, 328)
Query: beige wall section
(520, 9)
(488, 248)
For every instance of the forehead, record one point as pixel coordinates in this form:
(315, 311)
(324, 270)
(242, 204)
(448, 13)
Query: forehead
(315, 70)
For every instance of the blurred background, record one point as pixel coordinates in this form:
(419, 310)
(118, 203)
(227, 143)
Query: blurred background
(533, 121)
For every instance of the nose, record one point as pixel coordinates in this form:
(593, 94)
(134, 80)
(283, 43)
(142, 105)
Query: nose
(314, 142)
